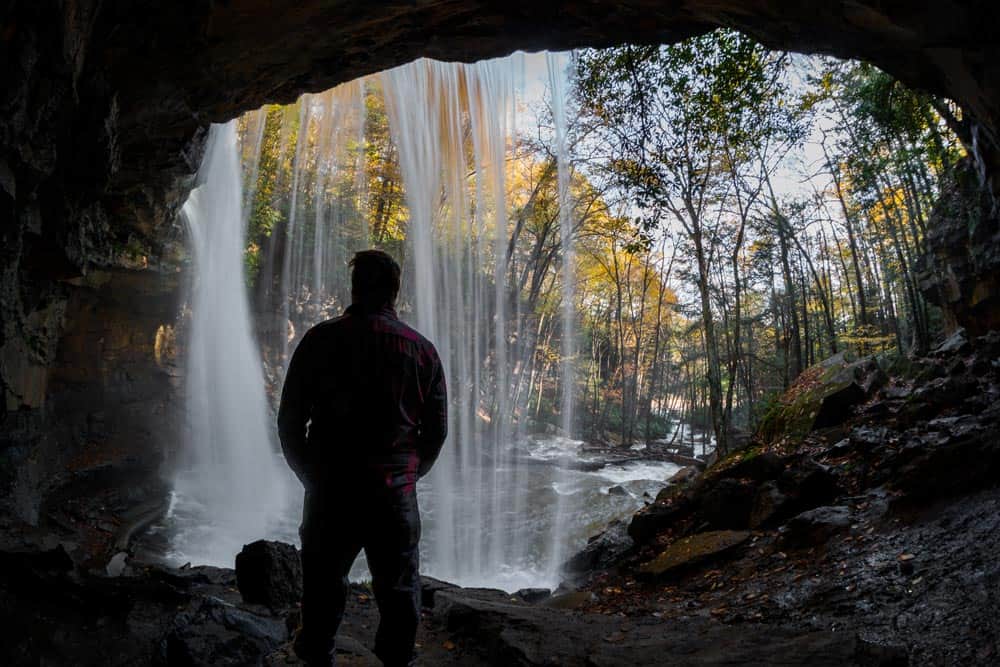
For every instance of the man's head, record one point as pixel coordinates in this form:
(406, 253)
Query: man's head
(374, 279)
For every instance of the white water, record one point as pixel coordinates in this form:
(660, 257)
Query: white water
(227, 468)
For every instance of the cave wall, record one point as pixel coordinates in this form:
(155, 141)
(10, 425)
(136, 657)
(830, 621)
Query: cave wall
(103, 115)
(96, 400)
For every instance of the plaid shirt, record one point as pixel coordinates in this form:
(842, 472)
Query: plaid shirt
(364, 398)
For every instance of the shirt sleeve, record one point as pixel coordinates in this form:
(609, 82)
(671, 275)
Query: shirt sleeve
(434, 419)
(296, 407)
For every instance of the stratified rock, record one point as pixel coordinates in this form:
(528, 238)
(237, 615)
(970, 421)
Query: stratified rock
(269, 573)
(815, 526)
(602, 550)
(693, 550)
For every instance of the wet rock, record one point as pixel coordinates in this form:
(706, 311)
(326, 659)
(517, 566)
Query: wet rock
(684, 475)
(727, 504)
(957, 464)
(758, 468)
(824, 395)
(533, 595)
(602, 550)
(570, 600)
(815, 526)
(770, 506)
(217, 633)
(956, 343)
(811, 483)
(269, 573)
(671, 505)
(429, 588)
(617, 490)
(872, 652)
(693, 550)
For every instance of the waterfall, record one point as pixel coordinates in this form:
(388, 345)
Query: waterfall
(495, 508)
(556, 67)
(229, 468)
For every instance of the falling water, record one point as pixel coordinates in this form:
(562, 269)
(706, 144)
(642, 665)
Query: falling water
(229, 470)
(556, 67)
(493, 515)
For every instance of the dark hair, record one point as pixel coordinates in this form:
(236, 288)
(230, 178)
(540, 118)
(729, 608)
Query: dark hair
(374, 278)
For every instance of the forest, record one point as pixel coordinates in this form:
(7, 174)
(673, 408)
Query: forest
(736, 214)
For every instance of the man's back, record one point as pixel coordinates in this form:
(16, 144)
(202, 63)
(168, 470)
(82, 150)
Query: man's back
(372, 392)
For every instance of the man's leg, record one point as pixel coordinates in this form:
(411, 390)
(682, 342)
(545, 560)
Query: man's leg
(393, 558)
(329, 548)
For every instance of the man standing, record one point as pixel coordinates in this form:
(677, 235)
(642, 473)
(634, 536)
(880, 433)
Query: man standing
(363, 415)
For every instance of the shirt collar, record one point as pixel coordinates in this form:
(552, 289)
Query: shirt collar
(362, 309)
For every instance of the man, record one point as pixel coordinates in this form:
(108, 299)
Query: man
(363, 415)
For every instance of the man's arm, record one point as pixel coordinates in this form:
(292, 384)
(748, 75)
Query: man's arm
(294, 411)
(434, 420)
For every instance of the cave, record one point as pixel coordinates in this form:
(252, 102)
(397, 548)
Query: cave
(106, 109)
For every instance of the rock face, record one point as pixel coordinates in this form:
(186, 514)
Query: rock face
(962, 273)
(93, 407)
(269, 573)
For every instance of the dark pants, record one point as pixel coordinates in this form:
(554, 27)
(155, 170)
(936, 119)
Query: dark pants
(336, 525)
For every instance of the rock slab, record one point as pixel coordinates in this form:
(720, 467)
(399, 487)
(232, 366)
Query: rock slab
(269, 573)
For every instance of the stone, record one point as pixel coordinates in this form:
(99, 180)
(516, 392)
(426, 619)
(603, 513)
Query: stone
(823, 396)
(726, 503)
(617, 490)
(215, 633)
(693, 550)
(684, 475)
(429, 588)
(758, 468)
(269, 573)
(815, 526)
(670, 506)
(602, 551)
(872, 652)
(956, 343)
(533, 595)
(770, 506)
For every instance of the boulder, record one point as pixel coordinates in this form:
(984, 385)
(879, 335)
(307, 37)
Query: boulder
(810, 483)
(602, 550)
(269, 573)
(956, 343)
(671, 505)
(770, 506)
(684, 475)
(693, 550)
(815, 526)
(216, 633)
(533, 595)
(758, 467)
(617, 490)
(822, 396)
(727, 504)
